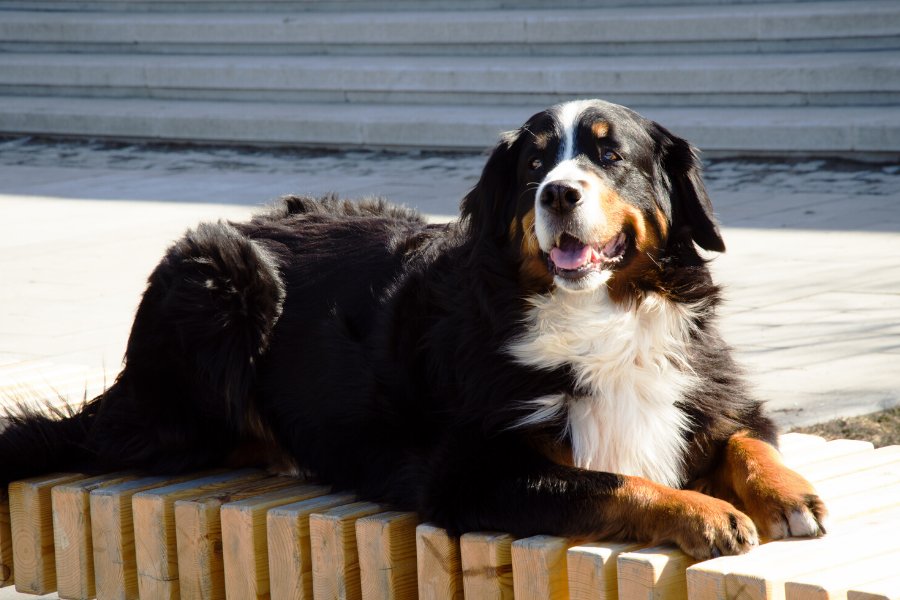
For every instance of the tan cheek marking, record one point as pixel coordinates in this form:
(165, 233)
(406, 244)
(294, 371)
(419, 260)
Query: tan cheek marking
(619, 212)
(663, 224)
(600, 129)
(530, 245)
(533, 271)
(513, 229)
(616, 212)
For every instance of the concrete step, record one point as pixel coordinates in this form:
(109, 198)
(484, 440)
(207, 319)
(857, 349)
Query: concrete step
(664, 30)
(858, 78)
(715, 130)
(335, 5)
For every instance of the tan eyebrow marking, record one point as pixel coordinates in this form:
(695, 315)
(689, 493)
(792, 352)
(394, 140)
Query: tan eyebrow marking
(600, 129)
(541, 140)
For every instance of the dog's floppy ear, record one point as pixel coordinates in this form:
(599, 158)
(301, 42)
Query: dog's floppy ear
(488, 207)
(691, 205)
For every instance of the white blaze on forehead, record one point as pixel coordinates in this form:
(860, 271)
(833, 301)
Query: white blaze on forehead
(567, 114)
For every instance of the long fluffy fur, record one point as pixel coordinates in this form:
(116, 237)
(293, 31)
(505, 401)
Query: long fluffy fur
(436, 367)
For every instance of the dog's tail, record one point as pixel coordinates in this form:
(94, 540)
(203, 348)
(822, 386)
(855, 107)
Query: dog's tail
(35, 440)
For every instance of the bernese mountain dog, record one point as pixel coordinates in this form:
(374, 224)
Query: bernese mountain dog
(547, 364)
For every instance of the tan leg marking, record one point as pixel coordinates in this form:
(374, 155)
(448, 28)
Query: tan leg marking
(779, 500)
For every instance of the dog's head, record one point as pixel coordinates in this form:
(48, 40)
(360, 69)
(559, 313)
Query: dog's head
(590, 193)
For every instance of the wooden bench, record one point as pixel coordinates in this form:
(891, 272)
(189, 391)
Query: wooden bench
(246, 534)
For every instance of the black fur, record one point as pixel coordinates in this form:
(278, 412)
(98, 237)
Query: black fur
(369, 345)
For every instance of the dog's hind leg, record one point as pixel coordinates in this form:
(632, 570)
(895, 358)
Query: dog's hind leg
(182, 400)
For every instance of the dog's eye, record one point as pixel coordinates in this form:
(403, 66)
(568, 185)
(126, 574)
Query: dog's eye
(535, 163)
(609, 156)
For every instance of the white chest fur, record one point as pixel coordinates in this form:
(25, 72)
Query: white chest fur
(630, 365)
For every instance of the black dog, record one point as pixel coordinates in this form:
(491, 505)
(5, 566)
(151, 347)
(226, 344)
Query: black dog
(548, 364)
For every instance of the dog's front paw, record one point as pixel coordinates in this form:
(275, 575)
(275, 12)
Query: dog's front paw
(784, 504)
(706, 527)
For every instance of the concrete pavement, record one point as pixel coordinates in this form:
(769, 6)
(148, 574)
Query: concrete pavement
(812, 273)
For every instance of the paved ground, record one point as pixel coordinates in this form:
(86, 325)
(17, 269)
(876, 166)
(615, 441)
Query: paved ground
(812, 272)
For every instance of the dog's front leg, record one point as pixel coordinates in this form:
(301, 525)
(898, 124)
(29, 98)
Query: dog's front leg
(779, 500)
(525, 494)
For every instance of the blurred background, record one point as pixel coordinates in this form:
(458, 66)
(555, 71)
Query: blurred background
(734, 76)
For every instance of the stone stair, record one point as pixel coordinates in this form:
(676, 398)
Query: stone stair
(734, 76)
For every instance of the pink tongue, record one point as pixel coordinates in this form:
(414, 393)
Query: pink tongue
(571, 258)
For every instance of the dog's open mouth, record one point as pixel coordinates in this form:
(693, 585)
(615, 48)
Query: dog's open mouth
(571, 258)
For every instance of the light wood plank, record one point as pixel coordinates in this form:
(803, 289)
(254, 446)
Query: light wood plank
(844, 465)
(828, 451)
(706, 580)
(198, 536)
(487, 565)
(335, 561)
(763, 577)
(6, 555)
(715, 579)
(847, 509)
(793, 443)
(31, 523)
(657, 572)
(883, 589)
(112, 535)
(539, 567)
(290, 554)
(869, 478)
(438, 563)
(72, 534)
(833, 583)
(592, 570)
(244, 543)
(386, 545)
(154, 527)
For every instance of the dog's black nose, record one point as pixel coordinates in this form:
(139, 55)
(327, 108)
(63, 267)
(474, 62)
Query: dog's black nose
(561, 196)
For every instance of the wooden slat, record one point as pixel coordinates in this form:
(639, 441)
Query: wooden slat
(72, 534)
(154, 526)
(31, 520)
(836, 467)
(244, 543)
(834, 582)
(657, 572)
(487, 565)
(762, 575)
(708, 580)
(793, 443)
(335, 562)
(198, 536)
(883, 589)
(290, 554)
(865, 502)
(6, 556)
(674, 570)
(438, 563)
(865, 479)
(112, 535)
(386, 545)
(539, 567)
(829, 450)
(592, 570)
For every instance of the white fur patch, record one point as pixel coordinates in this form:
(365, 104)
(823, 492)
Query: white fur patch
(567, 114)
(631, 367)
